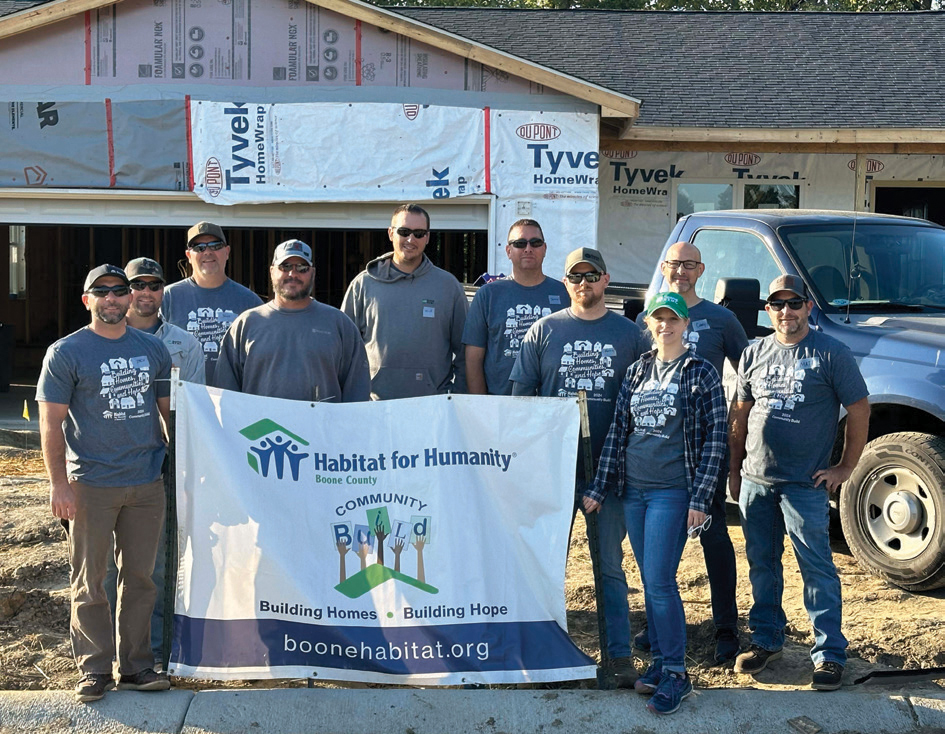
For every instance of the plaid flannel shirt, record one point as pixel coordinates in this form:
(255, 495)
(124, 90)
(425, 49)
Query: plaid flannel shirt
(704, 423)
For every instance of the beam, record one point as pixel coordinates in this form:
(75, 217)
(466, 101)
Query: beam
(382, 18)
(43, 15)
(609, 141)
(827, 136)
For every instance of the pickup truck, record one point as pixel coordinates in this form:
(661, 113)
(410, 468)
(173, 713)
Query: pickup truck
(878, 285)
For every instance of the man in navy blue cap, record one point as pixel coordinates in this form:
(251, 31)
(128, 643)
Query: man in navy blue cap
(294, 347)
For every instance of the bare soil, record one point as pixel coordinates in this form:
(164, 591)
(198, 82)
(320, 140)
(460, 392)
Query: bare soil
(888, 628)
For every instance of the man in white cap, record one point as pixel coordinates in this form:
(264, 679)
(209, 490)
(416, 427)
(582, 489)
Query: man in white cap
(102, 392)
(206, 303)
(294, 347)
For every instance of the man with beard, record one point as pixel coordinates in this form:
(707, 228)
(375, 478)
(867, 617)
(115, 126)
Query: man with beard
(782, 425)
(294, 347)
(715, 335)
(587, 347)
(207, 302)
(101, 392)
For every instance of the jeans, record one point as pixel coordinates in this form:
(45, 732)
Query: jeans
(803, 511)
(656, 522)
(611, 531)
(720, 562)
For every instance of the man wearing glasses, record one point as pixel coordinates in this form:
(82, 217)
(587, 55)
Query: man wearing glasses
(206, 303)
(714, 334)
(587, 347)
(294, 347)
(101, 392)
(791, 385)
(410, 314)
(503, 310)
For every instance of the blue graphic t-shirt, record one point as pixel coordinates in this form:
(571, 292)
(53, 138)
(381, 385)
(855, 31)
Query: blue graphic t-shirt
(500, 315)
(207, 313)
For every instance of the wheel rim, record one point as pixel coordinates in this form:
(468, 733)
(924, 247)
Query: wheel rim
(898, 512)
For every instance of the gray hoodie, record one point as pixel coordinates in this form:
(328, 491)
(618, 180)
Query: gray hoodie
(412, 326)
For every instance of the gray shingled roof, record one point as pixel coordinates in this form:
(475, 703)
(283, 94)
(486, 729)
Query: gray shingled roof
(733, 69)
(9, 7)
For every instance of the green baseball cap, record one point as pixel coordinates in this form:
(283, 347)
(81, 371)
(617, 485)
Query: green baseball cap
(673, 301)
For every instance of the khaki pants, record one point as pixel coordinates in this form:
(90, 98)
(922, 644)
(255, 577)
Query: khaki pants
(133, 516)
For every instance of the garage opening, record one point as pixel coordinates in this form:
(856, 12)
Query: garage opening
(927, 202)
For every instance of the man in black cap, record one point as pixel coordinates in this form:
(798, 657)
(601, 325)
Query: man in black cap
(294, 347)
(206, 303)
(782, 425)
(101, 392)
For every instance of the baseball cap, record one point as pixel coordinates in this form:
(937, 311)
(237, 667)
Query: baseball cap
(673, 301)
(144, 266)
(792, 283)
(205, 228)
(100, 272)
(292, 248)
(585, 255)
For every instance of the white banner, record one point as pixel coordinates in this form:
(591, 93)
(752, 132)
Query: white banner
(407, 541)
(258, 153)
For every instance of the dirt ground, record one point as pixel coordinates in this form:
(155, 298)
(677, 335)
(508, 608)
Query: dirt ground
(886, 626)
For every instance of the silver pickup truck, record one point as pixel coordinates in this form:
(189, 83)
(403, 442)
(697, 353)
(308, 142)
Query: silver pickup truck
(878, 285)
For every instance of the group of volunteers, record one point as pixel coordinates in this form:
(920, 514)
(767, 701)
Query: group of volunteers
(663, 443)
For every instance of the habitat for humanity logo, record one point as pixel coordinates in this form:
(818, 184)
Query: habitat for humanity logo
(273, 447)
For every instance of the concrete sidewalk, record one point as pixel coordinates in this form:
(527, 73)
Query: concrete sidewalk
(430, 711)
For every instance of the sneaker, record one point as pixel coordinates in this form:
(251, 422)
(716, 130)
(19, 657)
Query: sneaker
(92, 686)
(625, 675)
(650, 680)
(146, 680)
(670, 693)
(827, 676)
(754, 659)
(641, 641)
(726, 646)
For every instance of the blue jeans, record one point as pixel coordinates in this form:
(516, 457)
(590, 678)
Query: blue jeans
(801, 510)
(720, 562)
(656, 522)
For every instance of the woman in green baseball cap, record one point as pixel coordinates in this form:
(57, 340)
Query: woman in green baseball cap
(661, 459)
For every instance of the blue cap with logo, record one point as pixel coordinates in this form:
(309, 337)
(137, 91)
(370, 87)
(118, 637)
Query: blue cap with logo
(101, 271)
(292, 248)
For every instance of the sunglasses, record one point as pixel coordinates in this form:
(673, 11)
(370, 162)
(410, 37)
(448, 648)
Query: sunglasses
(297, 267)
(417, 233)
(535, 242)
(795, 304)
(684, 264)
(576, 278)
(140, 285)
(212, 246)
(696, 531)
(101, 291)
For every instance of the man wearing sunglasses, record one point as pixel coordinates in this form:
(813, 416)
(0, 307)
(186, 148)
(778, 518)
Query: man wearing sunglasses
(102, 392)
(410, 314)
(206, 303)
(782, 424)
(715, 334)
(503, 310)
(294, 347)
(588, 347)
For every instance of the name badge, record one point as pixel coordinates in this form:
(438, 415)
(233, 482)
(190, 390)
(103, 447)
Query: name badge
(700, 325)
(429, 312)
(554, 300)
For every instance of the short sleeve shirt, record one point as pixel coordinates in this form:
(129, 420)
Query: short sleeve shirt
(112, 430)
(797, 390)
(499, 317)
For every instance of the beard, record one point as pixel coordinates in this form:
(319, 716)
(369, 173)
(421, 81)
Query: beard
(145, 310)
(115, 315)
(588, 299)
(293, 290)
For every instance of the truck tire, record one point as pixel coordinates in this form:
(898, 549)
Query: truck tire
(893, 510)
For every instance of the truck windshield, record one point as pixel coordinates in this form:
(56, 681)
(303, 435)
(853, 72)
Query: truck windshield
(891, 266)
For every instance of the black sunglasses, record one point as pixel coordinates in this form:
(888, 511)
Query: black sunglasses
(535, 242)
(212, 246)
(101, 291)
(406, 232)
(139, 285)
(591, 277)
(795, 304)
(300, 268)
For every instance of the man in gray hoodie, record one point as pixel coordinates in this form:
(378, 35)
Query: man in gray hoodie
(410, 314)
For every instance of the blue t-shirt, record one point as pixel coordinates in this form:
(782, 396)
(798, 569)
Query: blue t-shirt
(207, 313)
(113, 430)
(500, 315)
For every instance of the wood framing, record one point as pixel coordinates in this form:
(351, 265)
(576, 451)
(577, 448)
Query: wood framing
(786, 136)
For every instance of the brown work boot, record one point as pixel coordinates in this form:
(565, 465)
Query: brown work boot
(625, 675)
(146, 680)
(92, 686)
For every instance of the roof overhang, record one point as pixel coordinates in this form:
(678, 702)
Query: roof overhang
(51, 12)
(806, 136)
